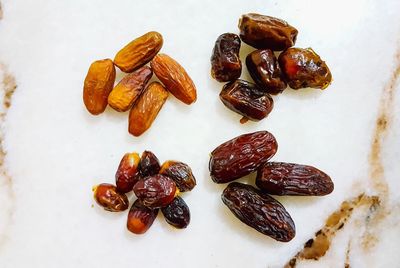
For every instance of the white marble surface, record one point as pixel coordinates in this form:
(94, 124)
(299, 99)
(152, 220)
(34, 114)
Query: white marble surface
(55, 151)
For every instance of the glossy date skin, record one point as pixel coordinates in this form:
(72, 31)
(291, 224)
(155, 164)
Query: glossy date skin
(259, 211)
(261, 31)
(247, 99)
(242, 155)
(127, 173)
(177, 213)
(225, 61)
(149, 164)
(140, 218)
(264, 69)
(181, 173)
(107, 196)
(304, 68)
(279, 178)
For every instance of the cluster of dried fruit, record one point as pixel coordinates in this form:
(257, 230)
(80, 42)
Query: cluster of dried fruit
(131, 92)
(296, 67)
(156, 187)
(248, 153)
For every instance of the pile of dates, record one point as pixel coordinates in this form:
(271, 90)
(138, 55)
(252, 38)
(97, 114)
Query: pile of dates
(296, 67)
(155, 186)
(251, 152)
(133, 91)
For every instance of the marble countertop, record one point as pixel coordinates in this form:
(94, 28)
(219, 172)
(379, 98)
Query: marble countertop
(52, 151)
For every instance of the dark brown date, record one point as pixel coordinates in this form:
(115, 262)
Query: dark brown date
(177, 213)
(107, 196)
(259, 211)
(149, 164)
(261, 31)
(140, 218)
(181, 173)
(265, 71)
(304, 68)
(127, 173)
(246, 99)
(293, 179)
(241, 156)
(225, 62)
(156, 191)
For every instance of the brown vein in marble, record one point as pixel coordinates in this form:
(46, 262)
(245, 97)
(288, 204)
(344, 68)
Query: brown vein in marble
(347, 259)
(1, 11)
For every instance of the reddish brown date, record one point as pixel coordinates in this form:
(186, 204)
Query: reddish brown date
(156, 191)
(177, 213)
(246, 99)
(259, 211)
(181, 173)
(241, 156)
(149, 164)
(304, 68)
(127, 174)
(261, 31)
(265, 71)
(140, 218)
(107, 196)
(225, 62)
(293, 179)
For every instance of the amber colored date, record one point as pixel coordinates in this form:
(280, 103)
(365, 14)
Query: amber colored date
(304, 68)
(181, 173)
(259, 211)
(246, 99)
(149, 164)
(293, 179)
(261, 31)
(107, 196)
(177, 213)
(156, 191)
(265, 71)
(140, 218)
(241, 156)
(225, 62)
(127, 172)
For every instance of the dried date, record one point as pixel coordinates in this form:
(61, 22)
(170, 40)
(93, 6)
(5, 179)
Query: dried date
(181, 173)
(140, 218)
(241, 156)
(225, 62)
(149, 164)
(107, 196)
(259, 211)
(293, 179)
(127, 173)
(246, 99)
(177, 213)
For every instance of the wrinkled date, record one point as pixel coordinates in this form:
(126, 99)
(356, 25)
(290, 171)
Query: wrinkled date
(293, 179)
(304, 68)
(177, 213)
(140, 218)
(149, 164)
(259, 211)
(181, 173)
(265, 71)
(225, 62)
(246, 99)
(155, 191)
(241, 156)
(107, 196)
(261, 31)
(127, 173)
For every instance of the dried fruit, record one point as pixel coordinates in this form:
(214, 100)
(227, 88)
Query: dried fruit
(149, 164)
(259, 211)
(146, 109)
(261, 31)
(265, 71)
(139, 52)
(225, 62)
(98, 84)
(124, 95)
(181, 173)
(107, 196)
(241, 156)
(304, 68)
(156, 191)
(140, 218)
(246, 99)
(293, 179)
(174, 77)
(127, 173)
(177, 213)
